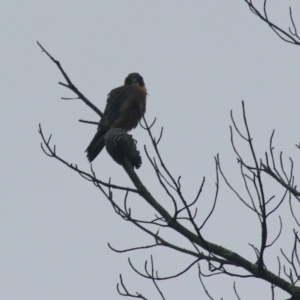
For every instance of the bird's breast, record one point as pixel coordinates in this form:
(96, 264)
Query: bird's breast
(132, 110)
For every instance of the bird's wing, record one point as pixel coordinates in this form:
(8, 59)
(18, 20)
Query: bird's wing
(115, 101)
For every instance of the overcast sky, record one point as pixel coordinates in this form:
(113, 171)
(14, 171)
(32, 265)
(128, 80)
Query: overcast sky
(199, 60)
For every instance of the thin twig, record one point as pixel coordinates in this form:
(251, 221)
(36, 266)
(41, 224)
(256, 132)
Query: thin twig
(70, 85)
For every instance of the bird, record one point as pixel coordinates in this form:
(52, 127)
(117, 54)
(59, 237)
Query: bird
(125, 107)
(119, 145)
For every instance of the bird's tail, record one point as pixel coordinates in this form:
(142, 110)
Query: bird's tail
(96, 145)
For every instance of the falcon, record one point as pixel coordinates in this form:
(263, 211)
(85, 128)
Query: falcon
(124, 109)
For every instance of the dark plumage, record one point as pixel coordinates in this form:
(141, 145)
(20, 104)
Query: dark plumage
(124, 109)
(119, 144)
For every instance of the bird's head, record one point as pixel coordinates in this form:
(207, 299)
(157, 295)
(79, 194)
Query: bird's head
(134, 79)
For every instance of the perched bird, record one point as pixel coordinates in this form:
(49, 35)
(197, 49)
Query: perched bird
(124, 109)
(119, 144)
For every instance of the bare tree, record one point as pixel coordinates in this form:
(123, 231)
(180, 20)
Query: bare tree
(182, 218)
(290, 36)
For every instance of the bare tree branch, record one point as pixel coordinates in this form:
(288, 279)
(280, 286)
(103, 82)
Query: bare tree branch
(289, 36)
(70, 85)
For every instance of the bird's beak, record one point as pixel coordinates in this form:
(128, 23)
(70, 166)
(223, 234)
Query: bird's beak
(134, 82)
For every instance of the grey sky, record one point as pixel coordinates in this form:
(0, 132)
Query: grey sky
(199, 59)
